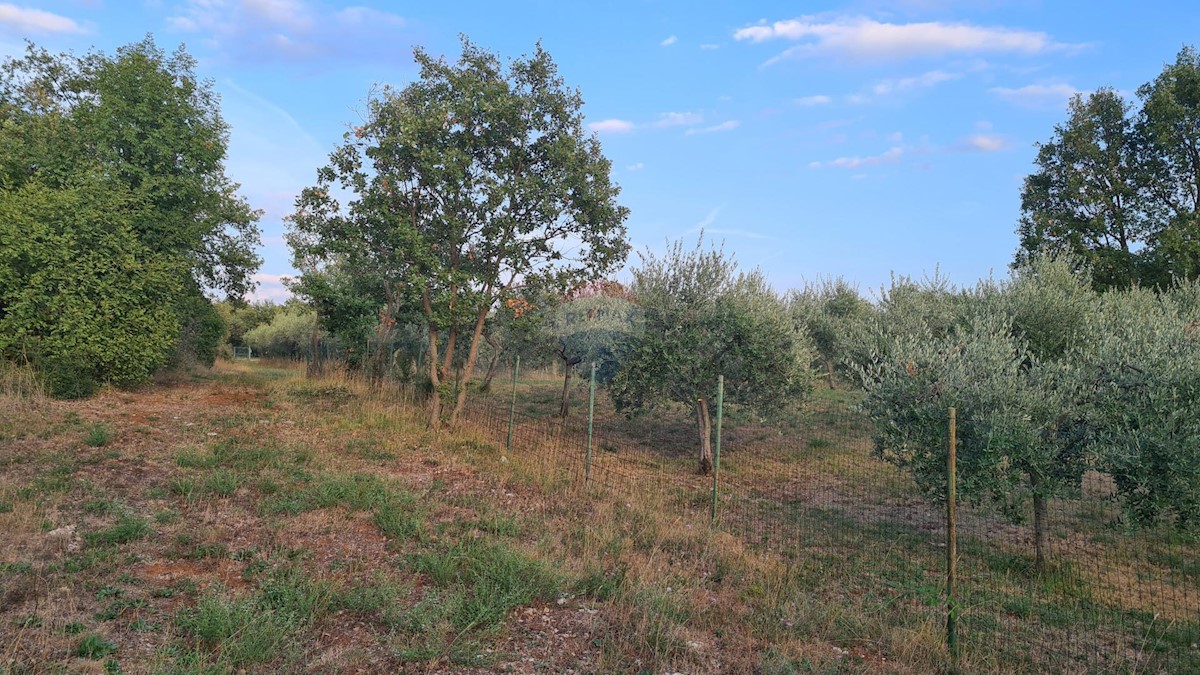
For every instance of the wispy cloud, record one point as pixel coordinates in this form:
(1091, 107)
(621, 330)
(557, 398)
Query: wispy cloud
(891, 156)
(1037, 95)
(667, 42)
(729, 125)
(985, 143)
(270, 287)
(710, 45)
(739, 233)
(867, 39)
(611, 126)
(23, 20)
(907, 84)
(291, 30)
(665, 120)
(678, 119)
(635, 167)
(818, 99)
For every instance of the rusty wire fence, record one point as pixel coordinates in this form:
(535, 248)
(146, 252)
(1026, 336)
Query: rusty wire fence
(867, 551)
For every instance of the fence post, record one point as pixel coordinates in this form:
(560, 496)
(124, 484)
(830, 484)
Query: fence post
(951, 542)
(587, 460)
(717, 449)
(512, 407)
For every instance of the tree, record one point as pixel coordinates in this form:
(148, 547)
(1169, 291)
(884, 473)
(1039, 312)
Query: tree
(595, 323)
(146, 135)
(1009, 369)
(288, 335)
(1086, 199)
(1142, 387)
(470, 180)
(704, 319)
(1169, 127)
(1121, 191)
(80, 296)
(835, 316)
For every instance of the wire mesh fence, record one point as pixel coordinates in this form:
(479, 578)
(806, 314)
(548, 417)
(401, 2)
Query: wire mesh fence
(864, 546)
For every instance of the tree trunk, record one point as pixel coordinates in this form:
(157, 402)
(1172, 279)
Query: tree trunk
(704, 425)
(469, 367)
(435, 384)
(829, 371)
(435, 393)
(564, 406)
(314, 366)
(448, 359)
(493, 363)
(1041, 526)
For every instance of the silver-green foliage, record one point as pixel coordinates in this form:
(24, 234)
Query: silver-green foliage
(703, 319)
(1143, 382)
(1006, 361)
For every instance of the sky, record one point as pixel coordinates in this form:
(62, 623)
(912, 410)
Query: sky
(858, 139)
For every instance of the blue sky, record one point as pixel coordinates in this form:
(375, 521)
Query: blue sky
(857, 139)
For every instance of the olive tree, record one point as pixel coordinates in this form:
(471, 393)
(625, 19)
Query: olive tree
(472, 179)
(1009, 368)
(702, 319)
(835, 317)
(595, 323)
(1142, 379)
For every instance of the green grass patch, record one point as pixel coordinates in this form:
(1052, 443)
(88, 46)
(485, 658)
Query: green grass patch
(127, 528)
(94, 647)
(97, 436)
(493, 579)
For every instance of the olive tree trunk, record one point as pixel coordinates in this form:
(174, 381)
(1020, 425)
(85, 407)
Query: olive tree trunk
(704, 426)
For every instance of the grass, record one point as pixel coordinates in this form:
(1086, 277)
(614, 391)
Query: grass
(329, 528)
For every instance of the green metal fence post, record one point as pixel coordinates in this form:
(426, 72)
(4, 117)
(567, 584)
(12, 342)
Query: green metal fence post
(951, 542)
(587, 460)
(512, 408)
(717, 449)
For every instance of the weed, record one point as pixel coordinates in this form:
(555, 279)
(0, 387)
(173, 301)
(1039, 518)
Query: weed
(128, 528)
(493, 578)
(94, 647)
(97, 436)
(222, 483)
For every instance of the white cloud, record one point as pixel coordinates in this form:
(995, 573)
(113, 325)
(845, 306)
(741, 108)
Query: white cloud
(25, 20)
(635, 167)
(291, 30)
(729, 125)
(669, 41)
(710, 45)
(905, 84)
(818, 99)
(270, 287)
(891, 156)
(264, 278)
(678, 119)
(985, 143)
(867, 39)
(1037, 95)
(611, 126)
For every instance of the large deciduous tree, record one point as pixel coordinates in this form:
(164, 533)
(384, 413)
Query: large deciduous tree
(704, 319)
(474, 178)
(143, 137)
(1119, 189)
